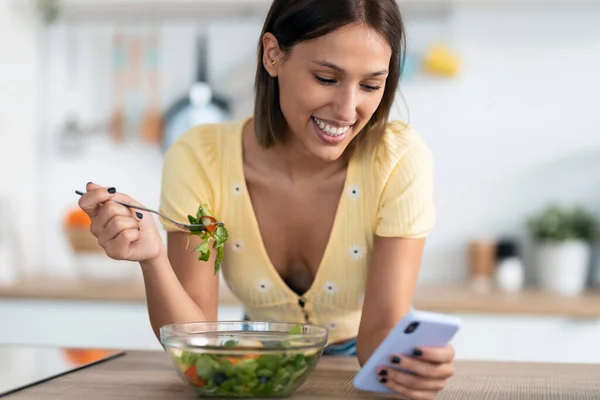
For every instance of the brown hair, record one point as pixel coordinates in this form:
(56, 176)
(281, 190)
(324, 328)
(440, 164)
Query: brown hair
(292, 22)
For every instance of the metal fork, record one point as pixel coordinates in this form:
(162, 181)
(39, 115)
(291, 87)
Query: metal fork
(189, 227)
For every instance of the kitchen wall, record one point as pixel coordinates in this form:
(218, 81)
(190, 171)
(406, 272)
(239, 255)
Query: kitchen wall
(516, 129)
(19, 80)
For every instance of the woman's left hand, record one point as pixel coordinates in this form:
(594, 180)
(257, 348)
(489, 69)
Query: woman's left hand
(428, 369)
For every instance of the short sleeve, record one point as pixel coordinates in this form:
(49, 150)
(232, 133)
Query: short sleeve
(406, 208)
(188, 176)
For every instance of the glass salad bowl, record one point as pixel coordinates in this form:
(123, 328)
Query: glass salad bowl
(244, 359)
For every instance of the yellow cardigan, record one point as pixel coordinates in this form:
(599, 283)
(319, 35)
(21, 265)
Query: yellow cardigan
(388, 192)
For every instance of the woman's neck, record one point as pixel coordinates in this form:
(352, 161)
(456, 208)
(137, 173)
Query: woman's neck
(297, 164)
(290, 160)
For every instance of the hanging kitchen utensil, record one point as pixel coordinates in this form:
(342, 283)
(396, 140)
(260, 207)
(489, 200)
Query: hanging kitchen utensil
(200, 105)
(134, 89)
(119, 61)
(70, 140)
(151, 128)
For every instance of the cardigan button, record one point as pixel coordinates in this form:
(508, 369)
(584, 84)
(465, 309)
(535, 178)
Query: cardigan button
(301, 302)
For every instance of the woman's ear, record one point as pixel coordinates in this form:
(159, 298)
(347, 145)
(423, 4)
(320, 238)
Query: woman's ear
(271, 53)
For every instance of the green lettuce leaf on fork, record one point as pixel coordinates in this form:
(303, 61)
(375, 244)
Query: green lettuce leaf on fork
(215, 233)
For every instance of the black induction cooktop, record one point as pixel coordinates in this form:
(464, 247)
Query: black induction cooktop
(22, 366)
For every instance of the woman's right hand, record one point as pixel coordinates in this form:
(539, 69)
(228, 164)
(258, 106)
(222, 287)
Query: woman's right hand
(123, 233)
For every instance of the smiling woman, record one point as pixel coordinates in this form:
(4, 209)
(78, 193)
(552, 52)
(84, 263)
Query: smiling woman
(340, 46)
(327, 203)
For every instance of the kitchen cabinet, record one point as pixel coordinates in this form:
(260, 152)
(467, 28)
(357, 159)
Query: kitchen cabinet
(74, 323)
(85, 312)
(125, 325)
(528, 338)
(530, 326)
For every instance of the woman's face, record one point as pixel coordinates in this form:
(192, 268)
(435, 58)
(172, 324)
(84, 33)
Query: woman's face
(330, 86)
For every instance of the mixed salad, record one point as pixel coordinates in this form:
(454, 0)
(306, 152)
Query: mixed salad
(274, 374)
(212, 232)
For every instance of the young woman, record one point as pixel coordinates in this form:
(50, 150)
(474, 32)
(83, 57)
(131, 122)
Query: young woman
(327, 204)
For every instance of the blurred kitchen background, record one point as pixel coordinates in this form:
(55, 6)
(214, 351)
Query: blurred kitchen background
(504, 92)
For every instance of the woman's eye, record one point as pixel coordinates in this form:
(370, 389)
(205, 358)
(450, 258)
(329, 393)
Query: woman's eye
(371, 88)
(325, 81)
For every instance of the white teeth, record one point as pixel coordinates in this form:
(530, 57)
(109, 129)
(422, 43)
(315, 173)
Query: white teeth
(330, 130)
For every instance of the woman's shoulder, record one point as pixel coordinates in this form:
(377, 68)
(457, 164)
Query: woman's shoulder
(400, 143)
(204, 142)
(401, 179)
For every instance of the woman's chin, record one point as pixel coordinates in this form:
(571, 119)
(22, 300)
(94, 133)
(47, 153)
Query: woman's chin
(328, 153)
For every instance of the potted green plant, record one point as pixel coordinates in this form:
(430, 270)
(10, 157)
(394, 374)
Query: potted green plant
(563, 239)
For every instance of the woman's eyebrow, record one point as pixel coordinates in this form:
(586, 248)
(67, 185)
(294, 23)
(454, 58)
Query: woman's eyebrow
(327, 64)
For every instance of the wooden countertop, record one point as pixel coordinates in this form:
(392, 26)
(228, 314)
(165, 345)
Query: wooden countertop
(48, 288)
(149, 375)
(440, 298)
(463, 299)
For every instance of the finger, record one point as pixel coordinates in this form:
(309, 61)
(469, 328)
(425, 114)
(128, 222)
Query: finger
(139, 214)
(119, 247)
(91, 186)
(423, 368)
(435, 354)
(405, 392)
(411, 381)
(91, 201)
(106, 213)
(115, 226)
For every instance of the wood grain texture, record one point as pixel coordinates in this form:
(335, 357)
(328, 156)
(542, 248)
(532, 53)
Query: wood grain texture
(442, 298)
(149, 376)
(463, 299)
(49, 288)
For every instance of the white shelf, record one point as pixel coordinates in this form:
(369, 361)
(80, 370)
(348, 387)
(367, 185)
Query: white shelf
(74, 9)
(158, 9)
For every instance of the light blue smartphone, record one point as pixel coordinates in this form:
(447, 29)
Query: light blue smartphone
(415, 329)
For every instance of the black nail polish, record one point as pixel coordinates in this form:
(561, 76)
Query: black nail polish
(89, 183)
(383, 380)
(395, 360)
(383, 372)
(139, 215)
(417, 353)
(112, 190)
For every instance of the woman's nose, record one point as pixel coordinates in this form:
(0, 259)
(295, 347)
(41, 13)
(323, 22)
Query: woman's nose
(345, 105)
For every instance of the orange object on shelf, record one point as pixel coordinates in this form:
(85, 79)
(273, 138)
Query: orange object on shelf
(77, 218)
(77, 228)
(482, 261)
